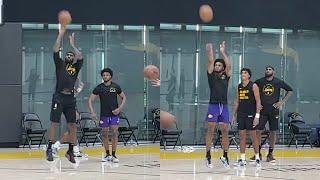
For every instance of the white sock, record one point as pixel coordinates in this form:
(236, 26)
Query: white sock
(243, 156)
(257, 156)
(57, 144)
(76, 149)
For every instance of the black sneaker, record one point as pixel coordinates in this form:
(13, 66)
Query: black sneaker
(241, 163)
(270, 158)
(70, 157)
(49, 155)
(258, 163)
(208, 161)
(253, 158)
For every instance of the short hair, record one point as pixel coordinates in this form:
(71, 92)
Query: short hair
(269, 66)
(220, 61)
(70, 52)
(246, 70)
(106, 70)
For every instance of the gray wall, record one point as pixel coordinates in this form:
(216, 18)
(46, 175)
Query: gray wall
(10, 85)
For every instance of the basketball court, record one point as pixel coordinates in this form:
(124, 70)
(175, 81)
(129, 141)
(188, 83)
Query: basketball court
(135, 163)
(291, 164)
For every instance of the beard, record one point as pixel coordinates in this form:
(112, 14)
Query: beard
(219, 71)
(68, 60)
(107, 80)
(268, 75)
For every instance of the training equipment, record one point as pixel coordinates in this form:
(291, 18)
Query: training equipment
(206, 13)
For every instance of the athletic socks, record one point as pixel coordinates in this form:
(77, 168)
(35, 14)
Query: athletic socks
(225, 154)
(114, 153)
(257, 156)
(70, 147)
(270, 150)
(208, 155)
(243, 157)
(49, 144)
(259, 149)
(107, 152)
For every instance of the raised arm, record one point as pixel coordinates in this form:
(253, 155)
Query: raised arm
(57, 44)
(226, 58)
(211, 57)
(78, 54)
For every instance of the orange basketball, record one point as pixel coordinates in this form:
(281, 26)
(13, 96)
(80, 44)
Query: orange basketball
(206, 13)
(167, 120)
(64, 17)
(151, 72)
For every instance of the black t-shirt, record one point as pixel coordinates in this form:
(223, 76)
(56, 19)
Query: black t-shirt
(108, 98)
(218, 84)
(270, 91)
(247, 101)
(66, 73)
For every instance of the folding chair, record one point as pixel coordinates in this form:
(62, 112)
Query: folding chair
(32, 129)
(232, 137)
(171, 137)
(299, 130)
(264, 136)
(90, 131)
(126, 131)
(156, 124)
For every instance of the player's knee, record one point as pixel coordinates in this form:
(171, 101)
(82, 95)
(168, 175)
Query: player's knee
(105, 133)
(55, 124)
(115, 132)
(224, 130)
(210, 130)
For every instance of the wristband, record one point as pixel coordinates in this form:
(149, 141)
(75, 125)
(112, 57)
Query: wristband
(257, 115)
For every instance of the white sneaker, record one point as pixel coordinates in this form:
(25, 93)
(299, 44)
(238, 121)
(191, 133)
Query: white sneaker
(258, 163)
(107, 159)
(55, 149)
(80, 154)
(114, 159)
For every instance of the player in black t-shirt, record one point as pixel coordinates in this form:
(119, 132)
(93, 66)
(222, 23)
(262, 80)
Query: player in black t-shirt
(63, 100)
(270, 88)
(219, 73)
(247, 112)
(108, 93)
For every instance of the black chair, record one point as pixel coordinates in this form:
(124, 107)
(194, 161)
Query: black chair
(126, 131)
(232, 135)
(168, 137)
(171, 136)
(32, 129)
(299, 130)
(90, 131)
(156, 124)
(264, 136)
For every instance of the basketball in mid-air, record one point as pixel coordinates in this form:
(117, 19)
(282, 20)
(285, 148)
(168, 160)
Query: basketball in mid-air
(206, 13)
(64, 17)
(151, 72)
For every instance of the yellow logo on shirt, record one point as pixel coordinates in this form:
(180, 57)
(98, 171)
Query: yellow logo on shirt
(243, 94)
(71, 69)
(112, 90)
(268, 89)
